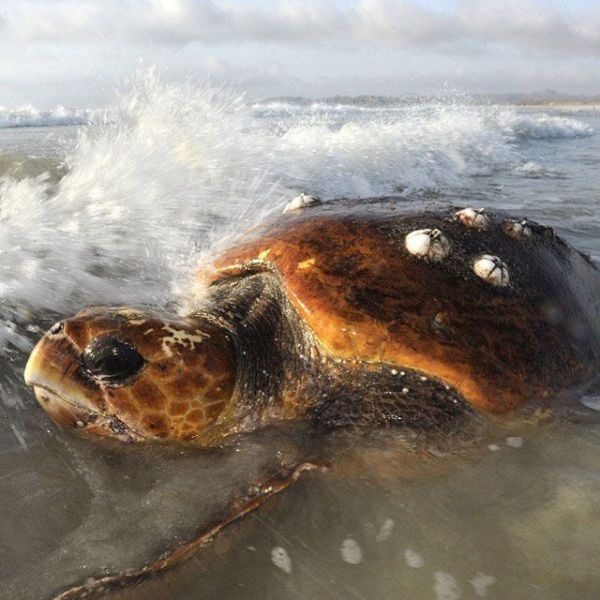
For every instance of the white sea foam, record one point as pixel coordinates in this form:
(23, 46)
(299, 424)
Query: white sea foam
(591, 401)
(514, 442)
(385, 531)
(29, 116)
(351, 552)
(281, 559)
(481, 583)
(533, 170)
(445, 586)
(413, 559)
(283, 106)
(139, 195)
(543, 127)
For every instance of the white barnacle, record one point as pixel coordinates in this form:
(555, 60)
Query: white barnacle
(516, 229)
(430, 244)
(300, 202)
(492, 270)
(473, 217)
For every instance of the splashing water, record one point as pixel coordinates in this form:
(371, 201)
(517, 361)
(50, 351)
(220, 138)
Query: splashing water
(124, 210)
(172, 165)
(175, 167)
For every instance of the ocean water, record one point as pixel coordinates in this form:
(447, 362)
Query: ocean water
(119, 206)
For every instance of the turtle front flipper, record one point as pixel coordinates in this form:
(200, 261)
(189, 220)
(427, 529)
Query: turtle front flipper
(379, 395)
(102, 586)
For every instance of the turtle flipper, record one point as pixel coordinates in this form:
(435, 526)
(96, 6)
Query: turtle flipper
(379, 395)
(99, 587)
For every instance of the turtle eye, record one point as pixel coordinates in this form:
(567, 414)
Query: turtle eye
(112, 361)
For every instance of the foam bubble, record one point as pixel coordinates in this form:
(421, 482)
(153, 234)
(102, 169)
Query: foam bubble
(481, 583)
(533, 170)
(281, 559)
(413, 559)
(445, 586)
(385, 530)
(351, 552)
(514, 442)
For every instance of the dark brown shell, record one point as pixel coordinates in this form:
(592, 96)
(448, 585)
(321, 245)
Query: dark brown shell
(344, 266)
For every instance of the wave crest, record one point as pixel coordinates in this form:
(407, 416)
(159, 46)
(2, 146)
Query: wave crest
(544, 127)
(28, 116)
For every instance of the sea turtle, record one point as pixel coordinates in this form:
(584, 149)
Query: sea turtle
(360, 313)
(344, 313)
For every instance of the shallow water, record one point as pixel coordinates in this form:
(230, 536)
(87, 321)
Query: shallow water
(121, 212)
(516, 522)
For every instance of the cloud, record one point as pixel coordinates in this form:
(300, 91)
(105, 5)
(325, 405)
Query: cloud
(403, 23)
(77, 51)
(523, 24)
(531, 25)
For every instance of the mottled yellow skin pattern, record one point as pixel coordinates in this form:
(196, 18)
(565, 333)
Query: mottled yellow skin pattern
(184, 386)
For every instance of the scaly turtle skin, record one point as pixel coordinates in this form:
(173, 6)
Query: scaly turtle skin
(345, 313)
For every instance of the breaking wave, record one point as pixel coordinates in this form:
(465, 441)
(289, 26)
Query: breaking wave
(538, 126)
(28, 116)
(544, 127)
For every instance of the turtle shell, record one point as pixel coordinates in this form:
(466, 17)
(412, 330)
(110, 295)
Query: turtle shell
(346, 268)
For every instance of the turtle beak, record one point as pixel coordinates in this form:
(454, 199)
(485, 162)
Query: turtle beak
(46, 372)
(70, 398)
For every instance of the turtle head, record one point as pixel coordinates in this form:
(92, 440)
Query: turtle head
(122, 373)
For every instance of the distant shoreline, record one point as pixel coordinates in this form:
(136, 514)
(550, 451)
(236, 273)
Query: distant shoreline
(372, 101)
(567, 104)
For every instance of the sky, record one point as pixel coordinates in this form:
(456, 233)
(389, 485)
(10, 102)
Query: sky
(77, 52)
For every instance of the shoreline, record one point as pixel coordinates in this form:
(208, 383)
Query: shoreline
(560, 105)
